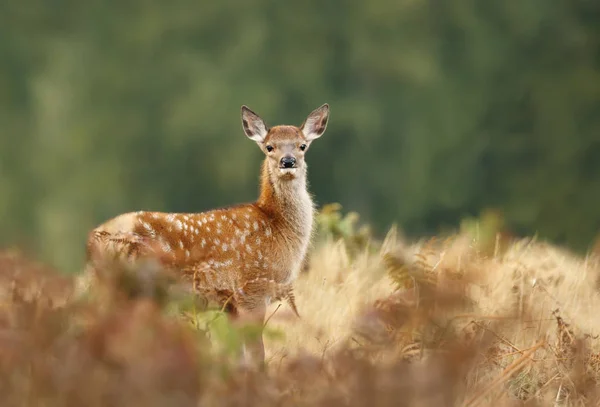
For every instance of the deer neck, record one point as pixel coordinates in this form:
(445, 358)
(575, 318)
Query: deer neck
(288, 203)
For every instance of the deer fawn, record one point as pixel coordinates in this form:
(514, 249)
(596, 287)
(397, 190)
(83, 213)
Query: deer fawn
(244, 256)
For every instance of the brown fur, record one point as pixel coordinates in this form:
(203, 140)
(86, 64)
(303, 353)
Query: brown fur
(245, 255)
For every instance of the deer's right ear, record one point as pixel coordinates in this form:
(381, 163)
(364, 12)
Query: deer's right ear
(254, 127)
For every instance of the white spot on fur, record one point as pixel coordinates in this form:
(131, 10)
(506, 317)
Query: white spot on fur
(165, 246)
(208, 228)
(258, 240)
(217, 241)
(228, 262)
(247, 216)
(187, 253)
(225, 247)
(203, 243)
(170, 217)
(149, 228)
(255, 224)
(268, 232)
(178, 224)
(181, 244)
(233, 216)
(223, 217)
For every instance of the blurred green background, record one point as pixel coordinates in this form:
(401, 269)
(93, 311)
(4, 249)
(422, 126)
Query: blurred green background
(439, 109)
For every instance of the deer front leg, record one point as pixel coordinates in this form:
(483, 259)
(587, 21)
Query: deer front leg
(253, 350)
(244, 309)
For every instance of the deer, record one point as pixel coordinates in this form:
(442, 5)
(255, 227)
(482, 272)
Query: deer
(243, 256)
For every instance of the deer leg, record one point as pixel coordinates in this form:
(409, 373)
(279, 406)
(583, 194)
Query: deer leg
(253, 351)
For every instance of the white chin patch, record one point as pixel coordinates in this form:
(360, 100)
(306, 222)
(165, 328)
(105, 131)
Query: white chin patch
(287, 171)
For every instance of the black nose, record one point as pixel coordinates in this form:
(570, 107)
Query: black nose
(288, 162)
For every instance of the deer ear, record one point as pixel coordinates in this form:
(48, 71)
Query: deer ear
(315, 124)
(254, 127)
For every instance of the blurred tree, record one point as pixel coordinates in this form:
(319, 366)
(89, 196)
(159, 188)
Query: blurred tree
(439, 109)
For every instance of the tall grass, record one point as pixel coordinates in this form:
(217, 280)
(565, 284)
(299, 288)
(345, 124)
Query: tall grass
(468, 319)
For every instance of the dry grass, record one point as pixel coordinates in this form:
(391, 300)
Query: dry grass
(529, 312)
(437, 323)
(329, 296)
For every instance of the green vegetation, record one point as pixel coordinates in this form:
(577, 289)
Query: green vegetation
(439, 111)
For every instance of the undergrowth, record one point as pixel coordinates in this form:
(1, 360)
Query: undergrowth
(473, 318)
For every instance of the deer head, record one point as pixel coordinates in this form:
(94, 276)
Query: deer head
(285, 146)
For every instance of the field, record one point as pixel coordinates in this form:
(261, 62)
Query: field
(476, 317)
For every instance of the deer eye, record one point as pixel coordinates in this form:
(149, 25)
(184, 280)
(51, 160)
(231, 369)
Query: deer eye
(302, 147)
(269, 148)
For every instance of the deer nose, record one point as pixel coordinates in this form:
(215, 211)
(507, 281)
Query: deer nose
(288, 162)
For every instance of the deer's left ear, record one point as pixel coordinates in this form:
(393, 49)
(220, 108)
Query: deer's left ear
(315, 124)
